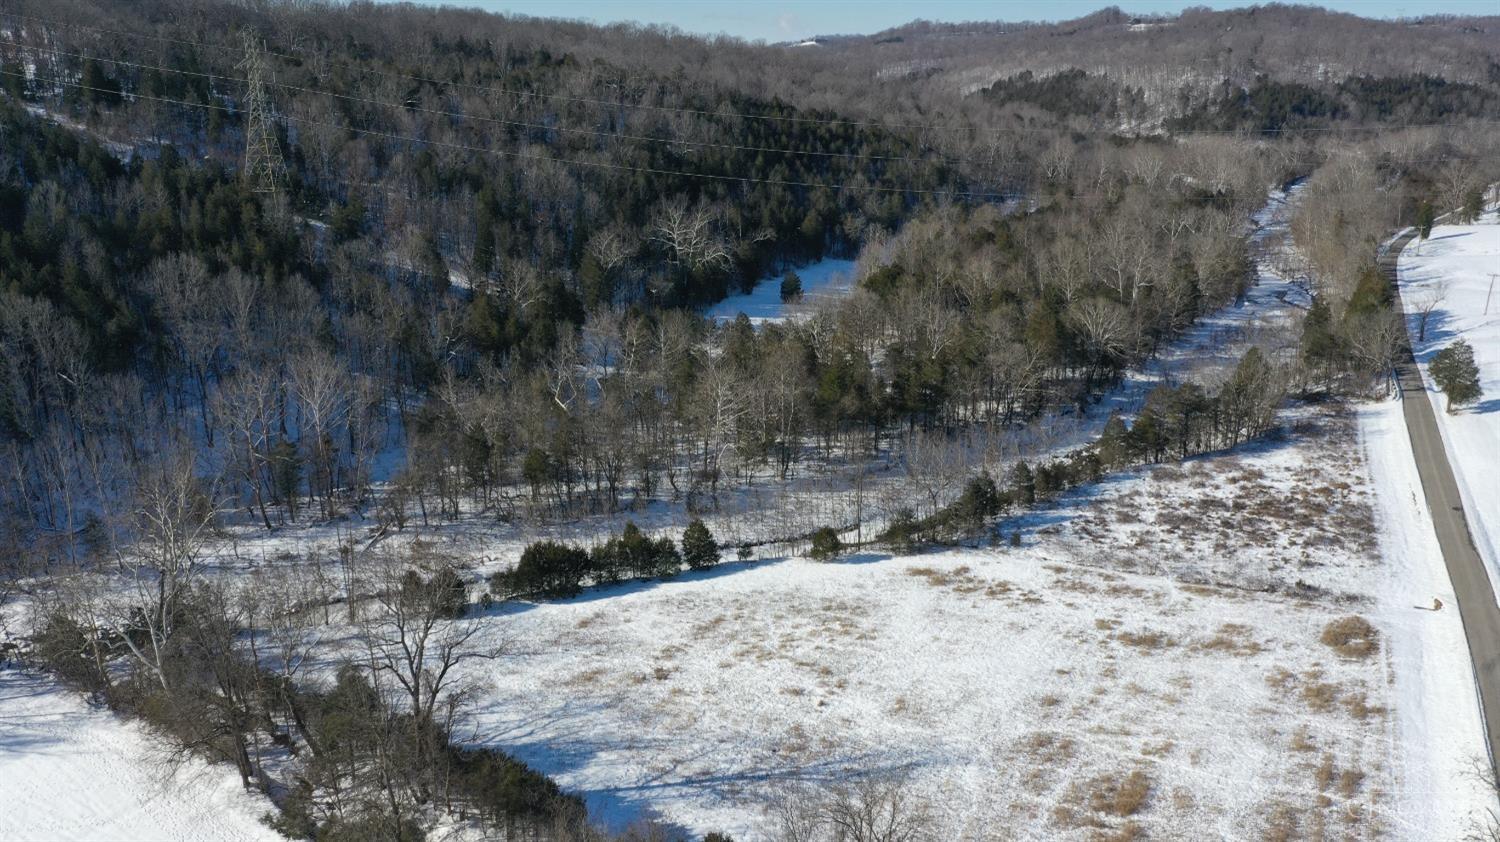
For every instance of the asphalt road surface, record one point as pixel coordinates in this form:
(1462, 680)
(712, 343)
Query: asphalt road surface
(1471, 582)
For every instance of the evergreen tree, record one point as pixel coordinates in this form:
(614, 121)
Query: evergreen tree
(1371, 295)
(1147, 439)
(1022, 484)
(1426, 216)
(449, 593)
(1473, 207)
(665, 560)
(791, 287)
(1456, 374)
(699, 549)
(1320, 345)
(286, 474)
(97, 86)
(1113, 447)
(1046, 482)
(979, 501)
(826, 545)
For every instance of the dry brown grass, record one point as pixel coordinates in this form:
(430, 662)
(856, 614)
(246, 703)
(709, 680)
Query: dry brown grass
(1147, 640)
(1120, 796)
(1302, 740)
(586, 677)
(1127, 832)
(1233, 639)
(1319, 695)
(1351, 636)
(1283, 824)
(1349, 782)
(1323, 774)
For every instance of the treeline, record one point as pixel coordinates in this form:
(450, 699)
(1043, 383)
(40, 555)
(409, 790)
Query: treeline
(1072, 93)
(968, 316)
(1175, 422)
(1276, 107)
(553, 569)
(1353, 331)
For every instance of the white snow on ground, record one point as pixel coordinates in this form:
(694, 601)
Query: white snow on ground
(1015, 688)
(72, 772)
(1439, 737)
(826, 278)
(123, 151)
(1460, 259)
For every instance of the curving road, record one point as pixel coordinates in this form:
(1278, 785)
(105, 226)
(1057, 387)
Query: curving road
(1471, 582)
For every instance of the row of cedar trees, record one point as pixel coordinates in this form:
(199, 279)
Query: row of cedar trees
(554, 569)
(1176, 422)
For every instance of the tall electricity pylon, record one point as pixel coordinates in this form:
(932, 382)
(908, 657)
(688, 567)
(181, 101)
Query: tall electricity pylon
(264, 168)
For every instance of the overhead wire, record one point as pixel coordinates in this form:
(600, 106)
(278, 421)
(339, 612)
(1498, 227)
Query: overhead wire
(516, 154)
(512, 123)
(718, 113)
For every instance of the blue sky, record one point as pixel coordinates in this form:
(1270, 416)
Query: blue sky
(782, 20)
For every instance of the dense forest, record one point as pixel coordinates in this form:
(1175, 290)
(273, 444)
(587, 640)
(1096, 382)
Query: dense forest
(476, 290)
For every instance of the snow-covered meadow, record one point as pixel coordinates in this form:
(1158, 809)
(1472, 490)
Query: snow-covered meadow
(1153, 658)
(1453, 273)
(827, 278)
(70, 771)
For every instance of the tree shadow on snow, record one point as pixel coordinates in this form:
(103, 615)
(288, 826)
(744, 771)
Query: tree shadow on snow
(568, 739)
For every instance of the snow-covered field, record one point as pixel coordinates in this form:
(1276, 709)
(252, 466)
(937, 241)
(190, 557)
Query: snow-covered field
(1021, 690)
(828, 278)
(1175, 684)
(1456, 266)
(72, 772)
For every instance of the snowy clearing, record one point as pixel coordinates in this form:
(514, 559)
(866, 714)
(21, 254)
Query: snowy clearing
(828, 278)
(1019, 689)
(53, 746)
(1455, 267)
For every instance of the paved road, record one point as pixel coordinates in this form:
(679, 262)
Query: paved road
(1471, 583)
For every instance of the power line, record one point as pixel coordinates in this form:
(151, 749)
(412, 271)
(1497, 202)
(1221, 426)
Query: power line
(510, 123)
(637, 169)
(264, 167)
(700, 112)
(494, 88)
(508, 153)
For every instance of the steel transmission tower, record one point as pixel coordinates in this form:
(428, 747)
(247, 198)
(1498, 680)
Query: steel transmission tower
(264, 168)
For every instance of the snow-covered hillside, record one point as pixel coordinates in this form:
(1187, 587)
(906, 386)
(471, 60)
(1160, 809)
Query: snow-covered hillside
(72, 772)
(1455, 268)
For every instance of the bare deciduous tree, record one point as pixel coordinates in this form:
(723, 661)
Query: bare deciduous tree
(176, 514)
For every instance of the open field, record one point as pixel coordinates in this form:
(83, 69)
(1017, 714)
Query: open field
(1218, 647)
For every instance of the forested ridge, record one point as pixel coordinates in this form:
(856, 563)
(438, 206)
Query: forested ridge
(475, 293)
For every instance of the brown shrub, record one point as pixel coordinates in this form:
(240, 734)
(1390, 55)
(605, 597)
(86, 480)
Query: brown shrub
(1352, 637)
